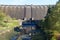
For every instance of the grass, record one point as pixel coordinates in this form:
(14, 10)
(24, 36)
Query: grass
(7, 35)
(7, 25)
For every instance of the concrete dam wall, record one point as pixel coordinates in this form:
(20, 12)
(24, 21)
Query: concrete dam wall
(36, 12)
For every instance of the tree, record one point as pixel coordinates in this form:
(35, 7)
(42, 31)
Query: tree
(53, 19)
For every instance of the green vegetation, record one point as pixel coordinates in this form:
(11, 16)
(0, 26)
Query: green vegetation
(7, 25)
(7, 35)
(54, 18)
(52, 21)
(51, 24)
(6, 20)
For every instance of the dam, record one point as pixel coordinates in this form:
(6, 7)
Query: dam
(36, 12)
